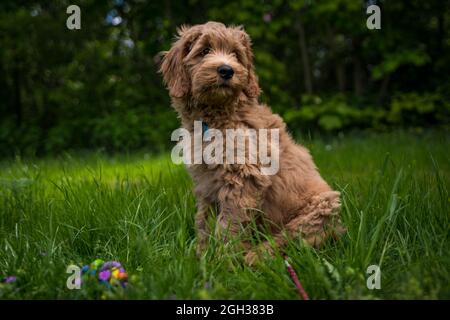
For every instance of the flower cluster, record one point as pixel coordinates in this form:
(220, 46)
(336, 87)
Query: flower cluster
(109, 273)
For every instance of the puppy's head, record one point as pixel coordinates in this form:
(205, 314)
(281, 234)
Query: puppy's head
(211, 64)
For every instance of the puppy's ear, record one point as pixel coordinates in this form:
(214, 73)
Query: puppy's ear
(172, 68)
(252, 90)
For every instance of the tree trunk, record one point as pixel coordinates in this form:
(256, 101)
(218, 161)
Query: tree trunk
(441, 30)
(340, 76)
(304, 54)
(17, 96)
(384, 89)
(336, 59)
(357, 76)
(358, 70)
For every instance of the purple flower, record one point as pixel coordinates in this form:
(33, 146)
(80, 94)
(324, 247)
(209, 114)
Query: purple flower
(111, 264)
(104, 275)
(10, 279)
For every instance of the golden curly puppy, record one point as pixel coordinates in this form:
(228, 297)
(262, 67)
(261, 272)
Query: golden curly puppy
(211, 78)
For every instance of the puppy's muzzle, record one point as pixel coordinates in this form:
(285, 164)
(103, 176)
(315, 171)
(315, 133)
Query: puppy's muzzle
(225, 72)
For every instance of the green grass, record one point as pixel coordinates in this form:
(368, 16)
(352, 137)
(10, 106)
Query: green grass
(75, 208)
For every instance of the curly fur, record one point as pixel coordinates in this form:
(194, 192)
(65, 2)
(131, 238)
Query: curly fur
(296, 200)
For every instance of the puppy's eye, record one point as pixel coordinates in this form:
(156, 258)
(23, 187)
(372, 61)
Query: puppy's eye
(205, 51)
(237, 55)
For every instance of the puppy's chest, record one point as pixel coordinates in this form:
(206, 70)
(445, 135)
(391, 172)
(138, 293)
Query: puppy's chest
(216, 148)
(207, 180)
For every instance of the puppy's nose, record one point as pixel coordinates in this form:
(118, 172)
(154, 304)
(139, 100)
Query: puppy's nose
(225, 71)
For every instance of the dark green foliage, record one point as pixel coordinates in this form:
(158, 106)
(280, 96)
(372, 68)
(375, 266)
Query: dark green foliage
(339, 113)
(318, 64)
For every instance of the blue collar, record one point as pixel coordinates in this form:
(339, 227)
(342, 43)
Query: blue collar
(204, 126)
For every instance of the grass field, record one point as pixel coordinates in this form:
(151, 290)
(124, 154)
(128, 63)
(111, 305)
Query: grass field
(139, 210)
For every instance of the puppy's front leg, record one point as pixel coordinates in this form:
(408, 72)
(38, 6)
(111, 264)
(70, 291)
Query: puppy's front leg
(203, 231)
(242, 192)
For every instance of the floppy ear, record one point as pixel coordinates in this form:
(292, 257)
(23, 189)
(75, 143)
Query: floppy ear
(173, 69)
(252, 89)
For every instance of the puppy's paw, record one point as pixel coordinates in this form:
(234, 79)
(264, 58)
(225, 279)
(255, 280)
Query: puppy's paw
(201, 247)
(327, 203)
(254, 256)
(251, 258)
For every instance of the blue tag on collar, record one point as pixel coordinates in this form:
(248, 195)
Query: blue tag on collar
(204, 126)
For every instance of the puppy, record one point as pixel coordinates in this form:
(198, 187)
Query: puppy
(210, 76)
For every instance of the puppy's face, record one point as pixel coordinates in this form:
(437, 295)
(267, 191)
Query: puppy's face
(211, 64)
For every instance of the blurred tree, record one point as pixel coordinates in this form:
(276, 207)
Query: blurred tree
(317, 62)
